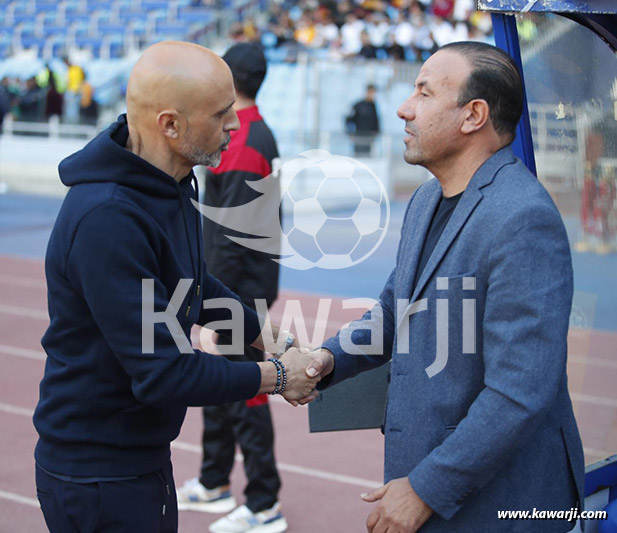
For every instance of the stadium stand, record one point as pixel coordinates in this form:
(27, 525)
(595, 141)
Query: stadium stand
(318, 65)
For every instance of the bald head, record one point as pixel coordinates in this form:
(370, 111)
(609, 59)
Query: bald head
(179, 100)
(174, 75)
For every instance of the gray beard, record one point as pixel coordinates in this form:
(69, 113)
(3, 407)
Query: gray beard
(197, 157)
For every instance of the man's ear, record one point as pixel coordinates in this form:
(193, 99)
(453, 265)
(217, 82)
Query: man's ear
(477, 114)
(168, 122)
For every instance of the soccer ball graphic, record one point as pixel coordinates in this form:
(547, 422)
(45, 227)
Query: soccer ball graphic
(340, 211)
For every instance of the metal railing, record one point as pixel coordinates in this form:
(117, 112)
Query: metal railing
(53, 129)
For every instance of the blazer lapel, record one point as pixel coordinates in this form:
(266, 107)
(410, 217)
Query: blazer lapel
(414, 239)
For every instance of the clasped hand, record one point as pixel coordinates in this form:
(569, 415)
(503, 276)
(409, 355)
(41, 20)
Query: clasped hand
(304, 370)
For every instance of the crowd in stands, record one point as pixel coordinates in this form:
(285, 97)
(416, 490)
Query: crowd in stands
(371, 29)
(65, 93)
(331, 29)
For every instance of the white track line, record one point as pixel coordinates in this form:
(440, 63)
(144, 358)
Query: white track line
(594, 400)
(592, 361)
(23, 311)
(15, 410)
(22, 352)
(36, 283)
(194, 448)
(18, 498)
(311, 472)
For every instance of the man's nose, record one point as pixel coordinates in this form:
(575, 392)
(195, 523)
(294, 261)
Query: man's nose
(234, 123)
(405, 110)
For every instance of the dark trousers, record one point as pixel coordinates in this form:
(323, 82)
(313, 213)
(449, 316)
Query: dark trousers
(145, 503)
(250, 425)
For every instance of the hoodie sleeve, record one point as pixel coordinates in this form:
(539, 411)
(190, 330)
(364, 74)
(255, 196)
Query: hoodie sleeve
(215, 289)
(113, 250)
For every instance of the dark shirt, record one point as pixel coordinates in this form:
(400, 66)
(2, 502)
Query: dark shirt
(442, 215)
(364, 117)
(368, 51)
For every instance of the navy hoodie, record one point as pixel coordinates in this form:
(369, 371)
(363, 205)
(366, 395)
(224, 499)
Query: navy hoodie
(106, 408)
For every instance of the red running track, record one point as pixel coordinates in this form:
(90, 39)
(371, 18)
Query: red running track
(323, 474)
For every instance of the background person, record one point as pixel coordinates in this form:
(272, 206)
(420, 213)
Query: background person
(75, 77)
(54, 100)
(88, 106)
(363, 122)
(252, 275)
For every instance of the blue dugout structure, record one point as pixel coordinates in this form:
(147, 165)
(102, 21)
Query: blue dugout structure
(600, 17)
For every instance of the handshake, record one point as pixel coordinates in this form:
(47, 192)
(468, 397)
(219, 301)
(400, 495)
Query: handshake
(296, 374)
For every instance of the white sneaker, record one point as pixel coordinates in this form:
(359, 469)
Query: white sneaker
(193, 496)
(243, 520)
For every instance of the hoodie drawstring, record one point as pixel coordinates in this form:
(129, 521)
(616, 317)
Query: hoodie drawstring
(199, 237)
(196, 275)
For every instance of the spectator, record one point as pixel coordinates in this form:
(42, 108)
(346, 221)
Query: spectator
(326, 32)
(350, 34)
(403, 32)
(393, 49)
(30, 102)
(305, 30)
(88, 107)
(423, 43)
(75, 77)
(54, 101)
(368, 51)
(378, 29)
(442, 31)
(6, 100)
(443, 8)
(363, 122)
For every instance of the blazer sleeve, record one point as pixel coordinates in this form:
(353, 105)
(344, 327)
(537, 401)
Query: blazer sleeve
(527, 309)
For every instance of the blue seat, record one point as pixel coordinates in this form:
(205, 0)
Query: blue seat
(5, 50)
(19, 18)
(98, 5)
(93, 43)
(58, 49)
(46, 7)
(151, 5)
(54, 30)
(116, 50)
(191, 14)
(162, 26)
(72, 17)
(107, 28)
(28, 40)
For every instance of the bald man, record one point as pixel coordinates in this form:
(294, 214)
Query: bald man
(126, 283)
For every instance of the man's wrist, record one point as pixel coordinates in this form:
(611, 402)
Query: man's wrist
(268, 377)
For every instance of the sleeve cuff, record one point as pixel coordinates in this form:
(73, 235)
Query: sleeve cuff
(433, 494)
(246, 381)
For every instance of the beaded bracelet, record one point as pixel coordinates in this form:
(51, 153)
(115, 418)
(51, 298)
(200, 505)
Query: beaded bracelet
(281, 377)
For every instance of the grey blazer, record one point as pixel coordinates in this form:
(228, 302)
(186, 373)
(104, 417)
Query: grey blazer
(479, 416)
